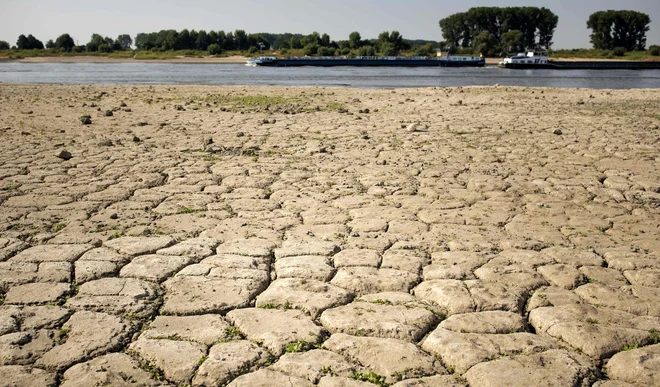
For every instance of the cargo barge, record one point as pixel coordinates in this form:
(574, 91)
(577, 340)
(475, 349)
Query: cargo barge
(370, 61)
(539, 60)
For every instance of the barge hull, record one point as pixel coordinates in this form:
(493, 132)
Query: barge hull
(374, 63)
(585, 66)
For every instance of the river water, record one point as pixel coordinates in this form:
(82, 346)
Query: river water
(388, 77)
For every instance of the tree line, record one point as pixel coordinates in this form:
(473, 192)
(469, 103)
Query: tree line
(487, 30)
(216, 42)
(492, 30)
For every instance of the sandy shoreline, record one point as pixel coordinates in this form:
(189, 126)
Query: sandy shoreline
(313, 236)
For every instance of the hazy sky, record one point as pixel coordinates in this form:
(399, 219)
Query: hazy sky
(415, 19)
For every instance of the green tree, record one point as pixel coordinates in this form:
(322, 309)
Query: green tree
(4, 45)
(22, 43)
(366, 51)
(95, 42)
(611, 29)
(354, 40)
(215, 49)
(512, 41)
(29, 43)
(240, 40)
(295, 43)
(460, 29)
(50, 44)
(183, 40)
(124, 42)
(171, 40)
(230, 42)
(313, 38)
(192, 43)
(546, 27)
(325, 40)
(34, 43)
(105, 48)
(485, 43)
(203, 40)
(65, 42)
(653, 49)
(456, 30)
(425, 50)
(311, 49)
(326, 51)
(213, 38)
(388, 49)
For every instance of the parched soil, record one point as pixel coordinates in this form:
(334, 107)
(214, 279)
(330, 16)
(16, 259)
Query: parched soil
(336, 237)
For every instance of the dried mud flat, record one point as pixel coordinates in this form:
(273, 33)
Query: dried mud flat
(336, 237)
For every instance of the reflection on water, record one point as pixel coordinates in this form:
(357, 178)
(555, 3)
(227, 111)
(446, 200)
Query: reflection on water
(390, 77)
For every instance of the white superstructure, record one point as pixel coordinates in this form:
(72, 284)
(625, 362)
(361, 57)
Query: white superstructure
(532, 58)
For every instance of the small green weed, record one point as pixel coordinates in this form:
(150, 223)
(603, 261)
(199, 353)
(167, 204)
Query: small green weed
(299, 346)
(58, 227)
(233, 333)
(186, 210)
(630, 347)
(370, 377)
(201, 360)
(654, 337)
(592, 321)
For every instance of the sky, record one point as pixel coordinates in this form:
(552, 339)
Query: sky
(414, 19)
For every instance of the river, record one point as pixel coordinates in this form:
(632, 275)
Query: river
(381, 78)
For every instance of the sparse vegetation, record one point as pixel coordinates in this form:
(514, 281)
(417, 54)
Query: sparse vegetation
(231, 332)
(370, 377)
(654, 337)
(299, 346)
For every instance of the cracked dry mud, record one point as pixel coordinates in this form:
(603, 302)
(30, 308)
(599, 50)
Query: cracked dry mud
(237, 236)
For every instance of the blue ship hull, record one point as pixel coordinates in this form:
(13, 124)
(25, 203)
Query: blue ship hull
(375, 62)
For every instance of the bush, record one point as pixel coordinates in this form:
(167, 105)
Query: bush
(252, 50)
(366, 51)
(345, 51)
(326, 51)
(654, 50)
(619, 51)
(4, 45)
(106, 48)
(79, 49)
(284, 51)
(311, 49)
(215, 49)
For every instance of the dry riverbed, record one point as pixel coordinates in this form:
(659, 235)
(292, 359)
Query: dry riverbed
(334, 237)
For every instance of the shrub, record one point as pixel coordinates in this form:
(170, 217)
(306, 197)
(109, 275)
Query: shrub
(252, 50)
(345, 51)
(619, 51)
(105, 48)
(79, 49)
(311, 49)
(654, 50)
(366, 51)
(215, 49)
(326, 51)
(4, 45)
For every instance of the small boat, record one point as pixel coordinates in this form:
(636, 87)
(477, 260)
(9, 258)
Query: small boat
(370, 61)
(539, 60)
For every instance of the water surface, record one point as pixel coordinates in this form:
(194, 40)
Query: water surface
(362, 77)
